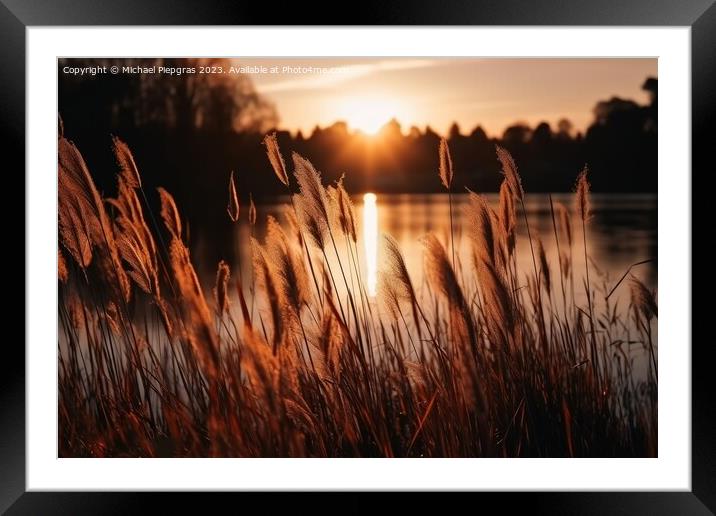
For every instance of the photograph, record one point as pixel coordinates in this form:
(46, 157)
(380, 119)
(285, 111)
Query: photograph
(357, 257)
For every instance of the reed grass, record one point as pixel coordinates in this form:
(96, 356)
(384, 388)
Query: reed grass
(487, 361)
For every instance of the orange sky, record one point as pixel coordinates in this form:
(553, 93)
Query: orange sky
(367, 92)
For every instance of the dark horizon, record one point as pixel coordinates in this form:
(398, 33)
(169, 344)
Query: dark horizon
(217, 122)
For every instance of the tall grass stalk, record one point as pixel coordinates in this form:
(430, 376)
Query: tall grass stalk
(584, 210)
(446, 176)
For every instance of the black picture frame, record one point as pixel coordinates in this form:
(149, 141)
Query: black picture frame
(700, 15)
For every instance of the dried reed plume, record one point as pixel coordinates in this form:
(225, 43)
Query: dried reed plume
(497, 306)
(266, 278)
(233, 207)
(509, 169)
(583, 204)
(74, 230)
(198, 326)
(293, 225)
(565, 223)
(127, 166)
(346, 213)
(135, 241)
(331, 341)
(507, 216)
(262, 369)
(643, 299)
(312, 190)
(644, 305)
(130, 213)
(221, 295)
(334, 208)
(446, 172)
(441, 276)
(396, 270)
(77, 194)
(309, 221)
(388, 295)
(169, 213)
(83, 219)
(544, 266)
(439, 271)
(136, 256)
(288, 266)
(396, 283)
(274, 155)
(61, 267)
(564, 228)
(480, 228)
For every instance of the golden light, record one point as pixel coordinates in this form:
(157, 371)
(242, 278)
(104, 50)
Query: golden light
(368, 113)
(370, 239)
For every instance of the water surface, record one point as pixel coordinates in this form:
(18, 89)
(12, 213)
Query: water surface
(621, 232)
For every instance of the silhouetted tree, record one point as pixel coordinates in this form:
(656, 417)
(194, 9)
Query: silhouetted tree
(516, 134)
(542, 134)
(564, 129)
(391, 129)
(478, 134)
(430, 134)
(651, 85)
(414, 132)
(606, 110)
(621, 144)
(454, 131)
(182, 100)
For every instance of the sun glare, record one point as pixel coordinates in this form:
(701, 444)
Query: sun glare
(368, 114)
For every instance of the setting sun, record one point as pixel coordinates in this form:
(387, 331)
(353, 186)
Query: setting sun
(368, 114)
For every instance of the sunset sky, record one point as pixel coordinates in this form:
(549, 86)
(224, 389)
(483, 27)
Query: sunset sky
(494, 93)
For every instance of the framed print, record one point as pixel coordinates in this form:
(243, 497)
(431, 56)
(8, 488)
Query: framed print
(429, 251)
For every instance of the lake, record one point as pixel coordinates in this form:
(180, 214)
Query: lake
(621, 232)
